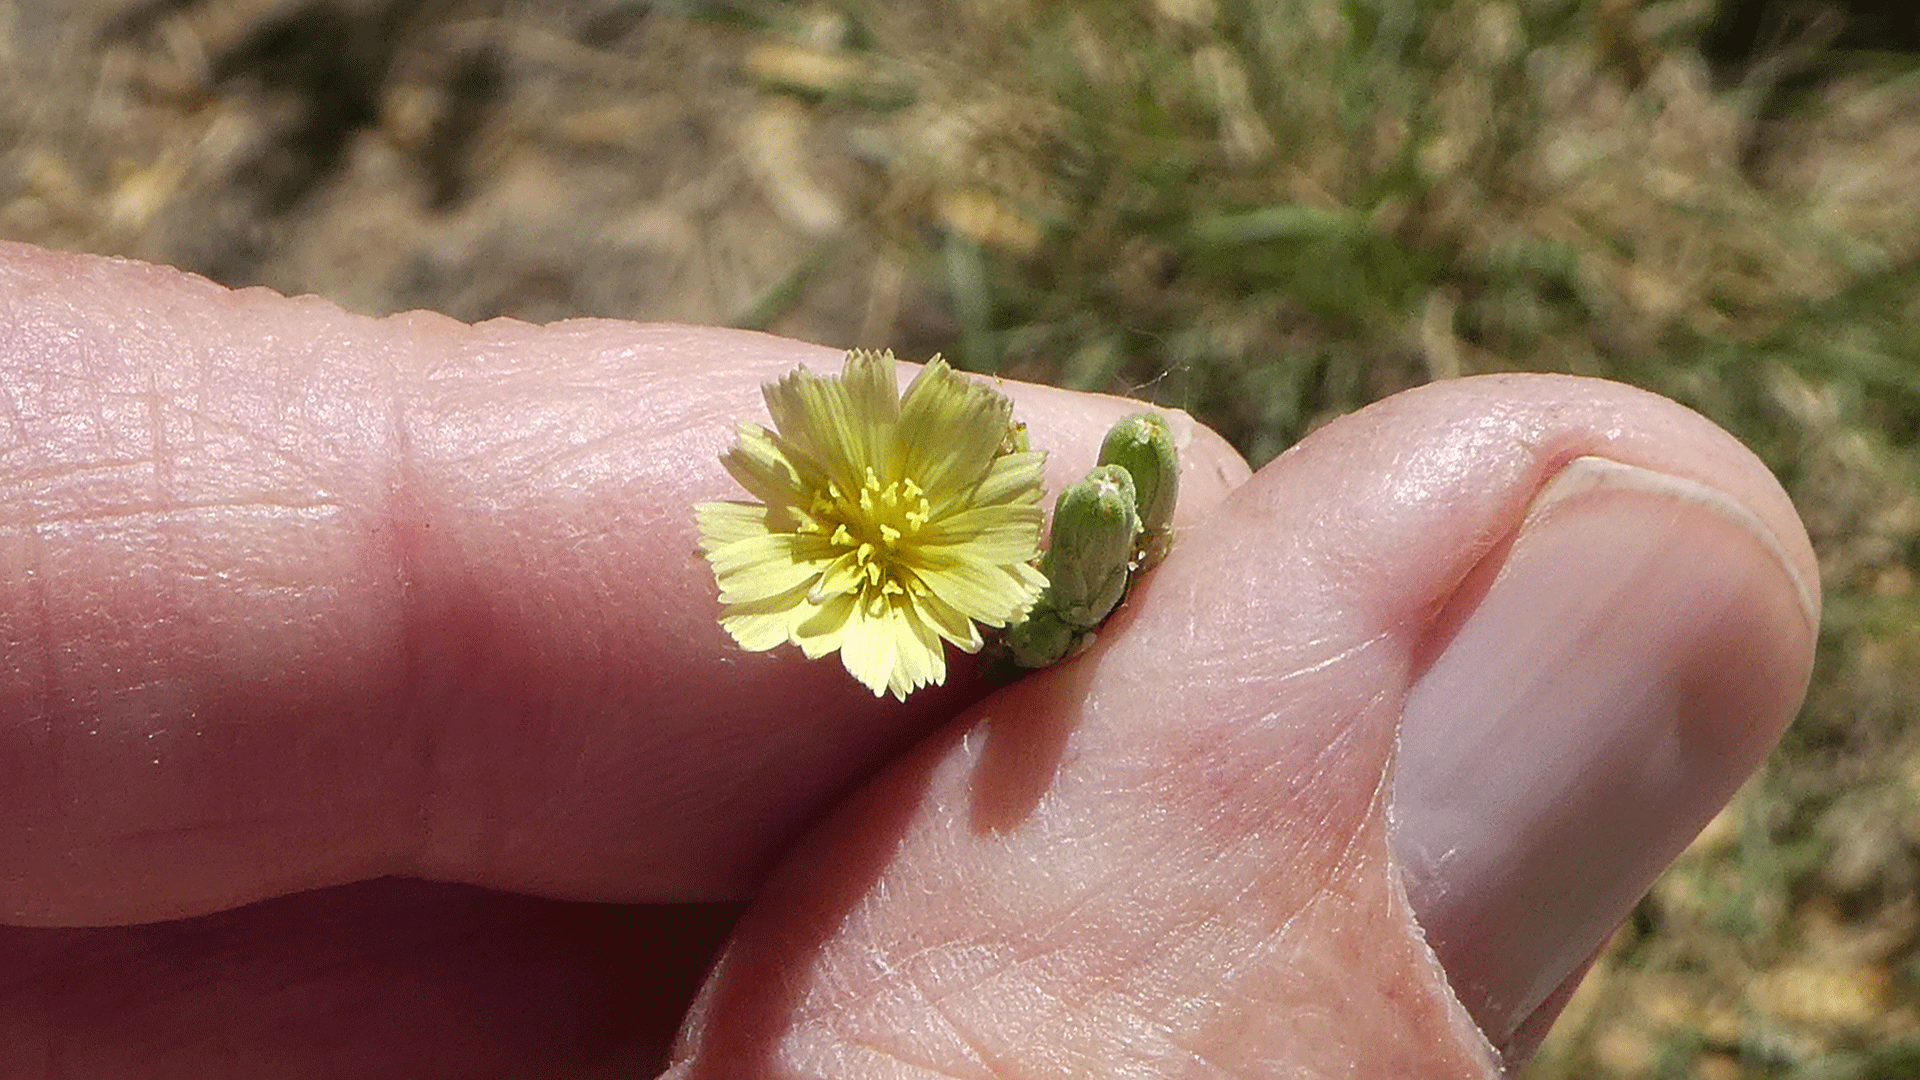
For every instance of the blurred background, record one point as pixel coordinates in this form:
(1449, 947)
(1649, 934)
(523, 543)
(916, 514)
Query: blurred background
(1267, 212)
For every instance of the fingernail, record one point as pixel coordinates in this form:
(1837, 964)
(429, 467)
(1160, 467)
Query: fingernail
(1614, 675)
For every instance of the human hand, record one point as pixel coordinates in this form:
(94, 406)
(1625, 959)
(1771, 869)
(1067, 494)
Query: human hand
(363, 713)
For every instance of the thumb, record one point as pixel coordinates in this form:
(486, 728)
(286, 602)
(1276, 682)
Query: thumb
(1186, 853)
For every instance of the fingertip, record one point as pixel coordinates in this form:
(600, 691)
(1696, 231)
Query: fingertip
(1642, 643)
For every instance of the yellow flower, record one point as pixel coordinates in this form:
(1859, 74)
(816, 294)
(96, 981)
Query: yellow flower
(885, 523)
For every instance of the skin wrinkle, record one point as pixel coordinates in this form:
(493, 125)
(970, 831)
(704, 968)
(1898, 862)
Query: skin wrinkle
(1371, 706)
(52, 685)
(1216, 798)
(1168, 1034)
(254, 441)
(1171, 1037)
(885, 1054)
(414, 735)
(166, 511)
(136, 837)
(277, 450)
(987, 937)
(1253, 839)
(165, 514)
(614, 437)
(932, 955)
(1117, 993)
(969, 1040)
(1272, 942)
(1138, 1047)
(981, 977)
(81, 469)
(37, 526)
(165, 496)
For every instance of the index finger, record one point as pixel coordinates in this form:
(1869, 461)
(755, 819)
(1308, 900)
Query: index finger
(292, 597)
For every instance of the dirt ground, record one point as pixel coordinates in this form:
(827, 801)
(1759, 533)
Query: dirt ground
(691, 161)
(567, 159)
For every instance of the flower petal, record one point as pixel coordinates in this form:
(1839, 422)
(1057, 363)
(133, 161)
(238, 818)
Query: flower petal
(1012, 478)
(763, 624)
(822, 627)
(894, 650)
(842, 575)
(984, 593)
(950, 429)
(873, 385)
(761, 583)
(920, 660)
(765, 466)
(841, 423)
(946, 620)
(986, 534)
(869, 650)
(722, 523)
(756, 554)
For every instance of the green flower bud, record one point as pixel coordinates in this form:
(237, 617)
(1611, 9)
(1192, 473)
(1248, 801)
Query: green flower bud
(1042, 640)
(1143, 446)
(1109, 526)
(1095, 528)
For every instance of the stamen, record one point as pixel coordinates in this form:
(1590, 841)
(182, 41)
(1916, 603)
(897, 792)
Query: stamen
(873, 526)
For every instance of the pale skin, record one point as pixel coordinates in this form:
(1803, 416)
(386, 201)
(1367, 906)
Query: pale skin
(410, 613)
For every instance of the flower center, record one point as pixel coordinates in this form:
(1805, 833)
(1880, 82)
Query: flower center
(871, 524)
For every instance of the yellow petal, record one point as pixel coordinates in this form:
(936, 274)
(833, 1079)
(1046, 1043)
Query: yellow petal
(922, 661)
(761, 583)
(842, 575)
(893, 650)
(988, 534)
(868, 650)
(767, 467)
(756, 632)
(722, 523)
(1012, 478)
(873, 385)
(751, 553)
(950, 429)
(985, 594)
(948, 621)
(826, 422)
(823, 626)
(763, 624)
